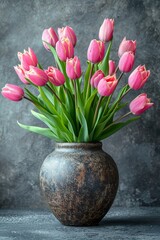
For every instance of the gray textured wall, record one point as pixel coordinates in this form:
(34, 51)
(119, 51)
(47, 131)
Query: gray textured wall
(135, 149)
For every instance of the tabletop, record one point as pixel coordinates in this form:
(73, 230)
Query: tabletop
(119, 223)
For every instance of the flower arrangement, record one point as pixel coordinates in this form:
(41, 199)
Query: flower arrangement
(79, 107)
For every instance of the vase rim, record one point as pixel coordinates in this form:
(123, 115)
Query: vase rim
(85, 145)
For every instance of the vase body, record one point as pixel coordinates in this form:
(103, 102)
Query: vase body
(79, 181)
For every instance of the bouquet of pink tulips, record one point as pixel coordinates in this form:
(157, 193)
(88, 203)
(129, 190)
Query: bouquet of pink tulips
(77, 107)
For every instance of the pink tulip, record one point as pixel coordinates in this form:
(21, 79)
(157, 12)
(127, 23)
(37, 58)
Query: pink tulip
(73, 68)
(138, 77)
(67, 32)
(107, 85)
(126, 46)
(21, 73)
(12, 92)
(126, 62)
(96, 51)
(49, 35)
(112, 67)
(106, 30)
(27, 59)
(140, 104)
(64, 49)
(97, 76)
(55, 76)
(37, 76)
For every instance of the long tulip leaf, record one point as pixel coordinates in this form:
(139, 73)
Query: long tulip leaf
(83, 133)
(42, 131)
(104, 65)
(115, 127)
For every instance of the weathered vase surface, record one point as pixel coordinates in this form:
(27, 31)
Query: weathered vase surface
(79, 181)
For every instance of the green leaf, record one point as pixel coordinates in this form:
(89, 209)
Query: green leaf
(79, 95)
(39, 66)
(46, 101)
(51, 124)
(121, 93)
(83, 133)
(86, 79)
(31, 95)
(88, 104)
(53, 51)
(114, 128)
(42, 131)
(100, 127)
(104, 65)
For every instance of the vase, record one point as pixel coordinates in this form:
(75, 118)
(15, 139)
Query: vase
(79, 181)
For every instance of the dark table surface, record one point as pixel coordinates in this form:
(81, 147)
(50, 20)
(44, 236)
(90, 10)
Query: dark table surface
(119, 223)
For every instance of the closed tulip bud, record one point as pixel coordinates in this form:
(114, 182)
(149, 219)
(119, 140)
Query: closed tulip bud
(27, 59)
(126, 62)
(140, 104)
(106, 30)
(55, 76)
(64, 49)
(21, 73)
(138, 77)
(126, 46)
(37, 76)
(112, 67)
(73, 68)
(49, 35)
(95, 79)
(107, 85)
(67, 32)
(96, 50)
(12, 92)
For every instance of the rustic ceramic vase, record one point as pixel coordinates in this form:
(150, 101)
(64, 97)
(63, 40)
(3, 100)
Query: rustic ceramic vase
(79, 181)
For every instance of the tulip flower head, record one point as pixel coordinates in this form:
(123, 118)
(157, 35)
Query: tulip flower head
(138, 77)
(49, 35)
(126, 46)
(55, 76)
(37, 76)
(67, 32)
(64, 49)
(95, 79)
(106, 30)
(12, 92)
(21, 73)
(112, 67)
(140, 104)
(107, 85)
(73, 68)
(126, 62)
(27, 59)
(96, 50)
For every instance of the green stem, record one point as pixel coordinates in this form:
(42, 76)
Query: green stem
(116, 69)
(96, 111)
(28, 99)
(120, 76)
(54, 94)
(64, 89)
(121, 117)
(75, 92)
(117, 120)
(108, 101)
(124, 95)
(113, 108)
(75, 95)
(88, 85)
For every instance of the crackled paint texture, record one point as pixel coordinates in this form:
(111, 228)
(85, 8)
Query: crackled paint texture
(135, 149)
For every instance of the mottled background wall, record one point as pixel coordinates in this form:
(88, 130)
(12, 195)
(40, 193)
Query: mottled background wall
(135, 149)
